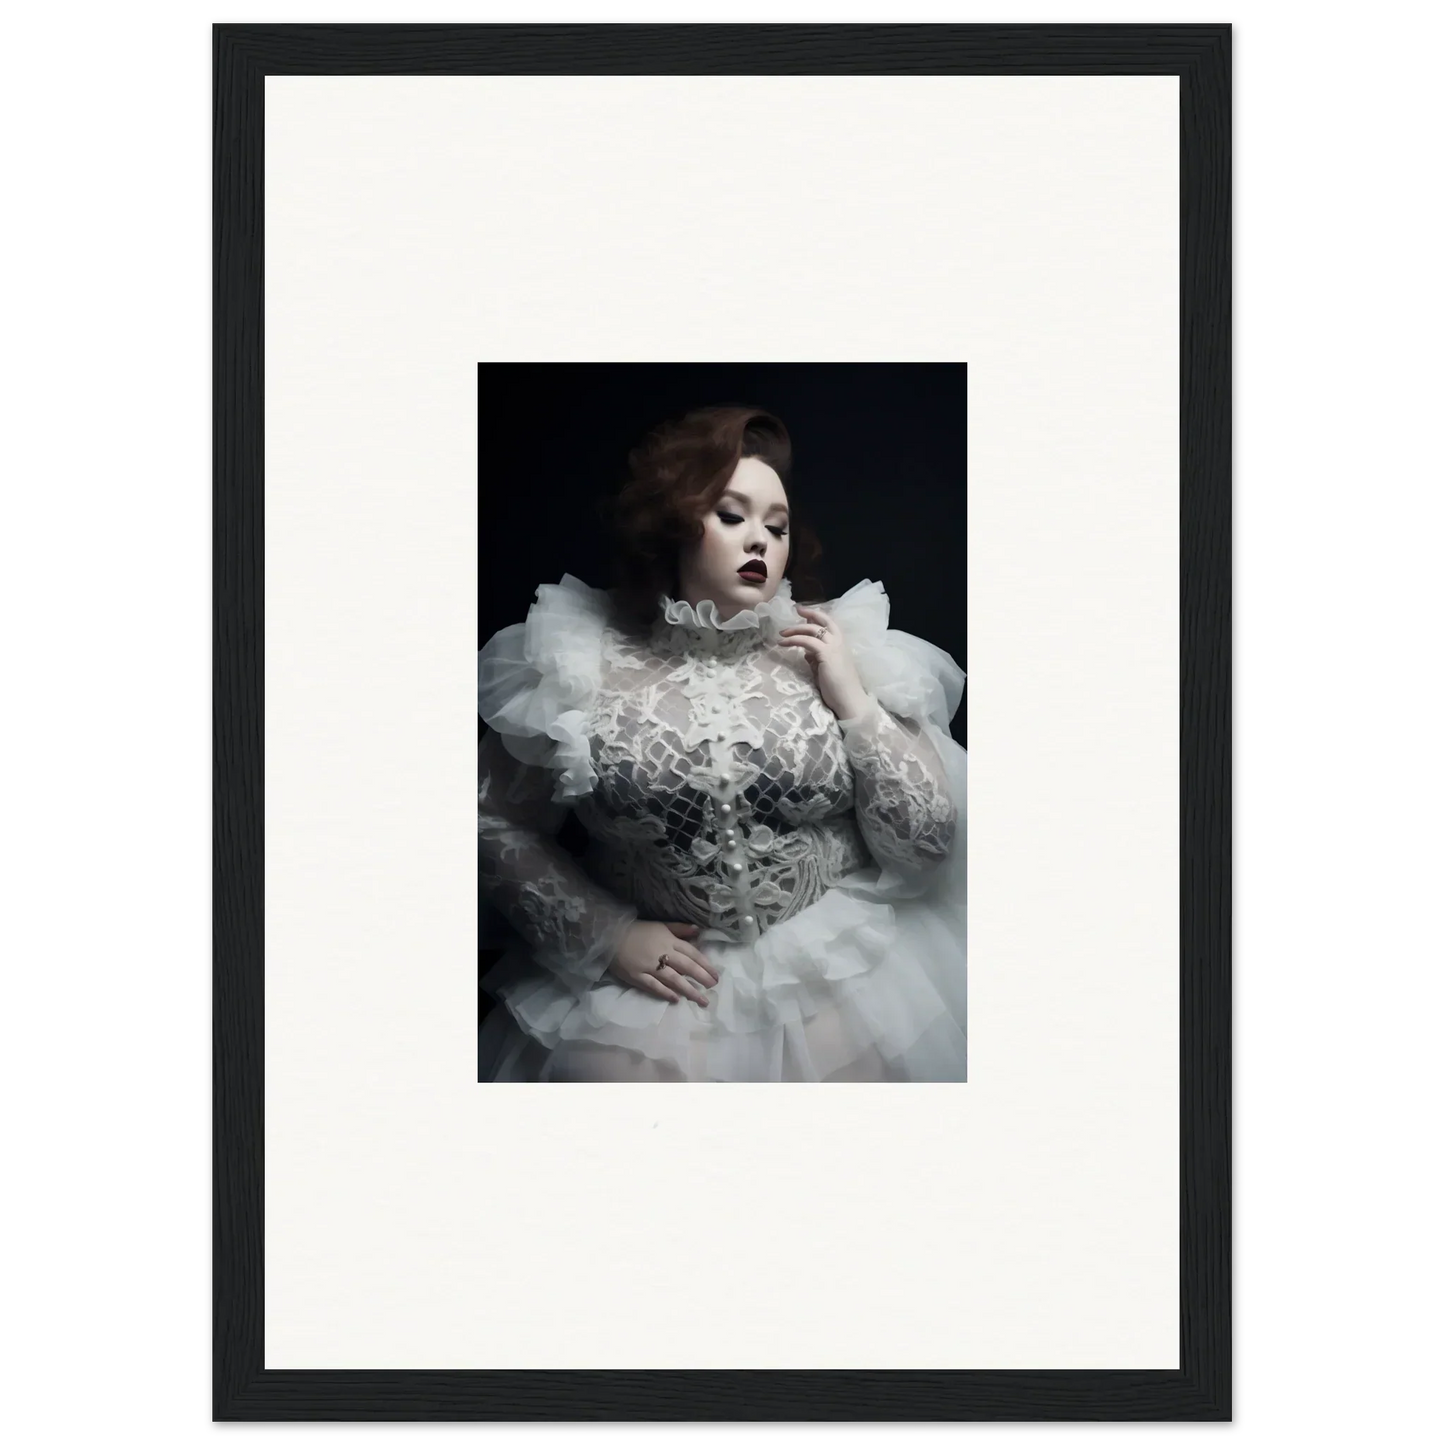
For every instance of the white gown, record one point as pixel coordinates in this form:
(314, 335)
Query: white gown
(824, 861)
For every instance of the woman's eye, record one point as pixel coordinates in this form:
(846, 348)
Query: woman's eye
(730, 519)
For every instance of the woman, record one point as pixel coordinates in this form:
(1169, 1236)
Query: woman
(774, 885)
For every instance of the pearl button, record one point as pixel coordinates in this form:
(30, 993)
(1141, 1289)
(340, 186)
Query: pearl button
(748, 920)
(737, 867)
(725, 809)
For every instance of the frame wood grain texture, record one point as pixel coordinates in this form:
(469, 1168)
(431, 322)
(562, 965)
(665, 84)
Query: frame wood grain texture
(242, 1388)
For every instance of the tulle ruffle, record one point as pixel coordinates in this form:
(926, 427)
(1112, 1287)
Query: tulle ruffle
(777, 612)
(536, 681)
(910, 677)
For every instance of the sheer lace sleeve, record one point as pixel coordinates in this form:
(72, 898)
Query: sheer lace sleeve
(573, 924)
(901, 795)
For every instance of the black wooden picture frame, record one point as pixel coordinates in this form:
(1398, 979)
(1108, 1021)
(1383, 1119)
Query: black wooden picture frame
(243, 1389)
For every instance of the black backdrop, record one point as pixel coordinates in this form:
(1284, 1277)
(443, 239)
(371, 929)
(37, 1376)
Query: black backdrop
(879, 461)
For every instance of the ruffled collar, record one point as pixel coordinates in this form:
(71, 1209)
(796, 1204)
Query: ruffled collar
(681, 627)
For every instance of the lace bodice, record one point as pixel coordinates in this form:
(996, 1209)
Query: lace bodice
(714, 785)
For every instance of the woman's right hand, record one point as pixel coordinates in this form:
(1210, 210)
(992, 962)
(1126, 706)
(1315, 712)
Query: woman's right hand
(636, 963)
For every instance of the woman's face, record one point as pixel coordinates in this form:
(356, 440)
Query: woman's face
(739, 560)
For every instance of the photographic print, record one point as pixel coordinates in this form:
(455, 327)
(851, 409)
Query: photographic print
(722, 788)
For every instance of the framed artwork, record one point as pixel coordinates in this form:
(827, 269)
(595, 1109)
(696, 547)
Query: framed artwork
(820, 436)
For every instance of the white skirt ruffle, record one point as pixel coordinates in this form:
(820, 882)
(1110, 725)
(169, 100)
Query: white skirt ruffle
(867, 983)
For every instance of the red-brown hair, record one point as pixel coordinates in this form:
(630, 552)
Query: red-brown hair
(675, 475)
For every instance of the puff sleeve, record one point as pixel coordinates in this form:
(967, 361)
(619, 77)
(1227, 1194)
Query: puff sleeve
(535, 682)
(904, 800)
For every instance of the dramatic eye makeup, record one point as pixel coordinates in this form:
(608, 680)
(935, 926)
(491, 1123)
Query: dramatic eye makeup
(732, 519)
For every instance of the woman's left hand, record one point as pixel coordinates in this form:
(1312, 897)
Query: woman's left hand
(823, 643)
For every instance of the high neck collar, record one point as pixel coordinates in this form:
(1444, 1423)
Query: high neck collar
(681, 627)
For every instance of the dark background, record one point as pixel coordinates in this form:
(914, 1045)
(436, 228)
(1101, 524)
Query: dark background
(879, 463)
